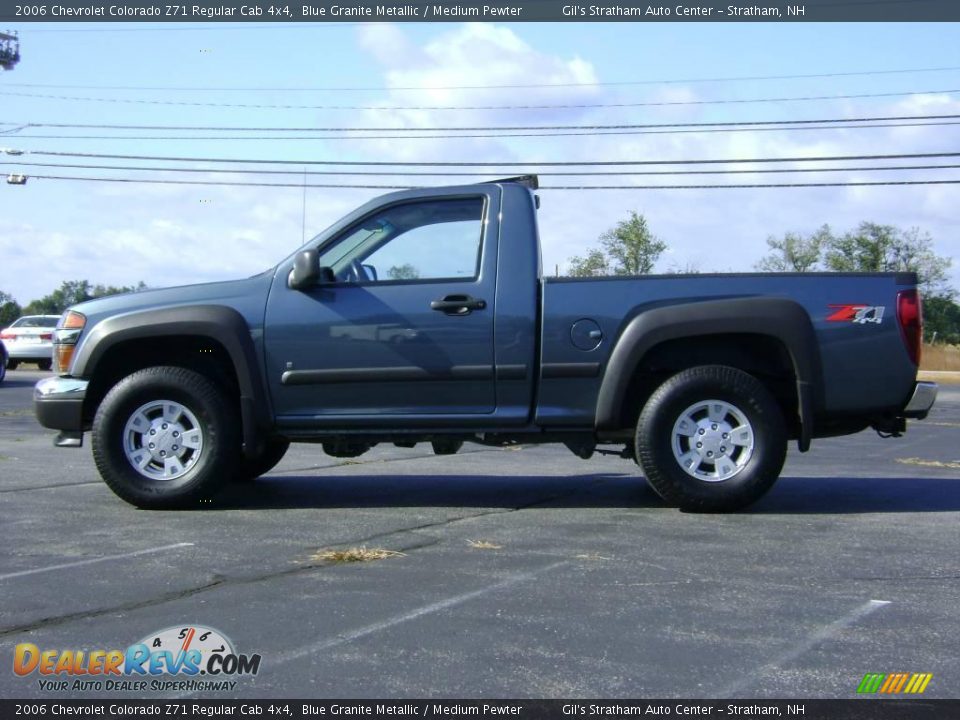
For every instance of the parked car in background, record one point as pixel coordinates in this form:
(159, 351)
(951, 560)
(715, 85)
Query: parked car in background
(3, 361)
(30, 339)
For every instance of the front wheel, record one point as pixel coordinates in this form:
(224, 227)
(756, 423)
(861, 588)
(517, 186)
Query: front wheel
(165, 437)
(44, 365)
(711, 439)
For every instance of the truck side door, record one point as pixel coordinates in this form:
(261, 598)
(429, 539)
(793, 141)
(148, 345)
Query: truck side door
(403, 327)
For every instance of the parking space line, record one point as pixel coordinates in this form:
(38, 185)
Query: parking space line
(816, 638)
(411, 615)
(91, 561)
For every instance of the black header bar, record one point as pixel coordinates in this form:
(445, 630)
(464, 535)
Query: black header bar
(281, 11)
(855, 709)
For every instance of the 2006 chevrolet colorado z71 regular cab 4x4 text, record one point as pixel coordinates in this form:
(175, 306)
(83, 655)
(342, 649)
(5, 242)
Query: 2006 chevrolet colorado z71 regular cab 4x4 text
(424, 316)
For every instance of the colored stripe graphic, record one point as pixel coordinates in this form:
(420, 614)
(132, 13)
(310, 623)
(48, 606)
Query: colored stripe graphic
(895, 683)
(871, 682)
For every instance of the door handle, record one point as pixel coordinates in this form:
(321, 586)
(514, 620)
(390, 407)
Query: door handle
(458, 304)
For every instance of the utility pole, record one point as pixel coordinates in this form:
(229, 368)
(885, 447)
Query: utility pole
(9, 50)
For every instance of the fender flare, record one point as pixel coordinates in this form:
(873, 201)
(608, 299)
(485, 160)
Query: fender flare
(220, 323)
(779, 318)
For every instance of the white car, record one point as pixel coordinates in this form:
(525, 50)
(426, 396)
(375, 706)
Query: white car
(30, 339)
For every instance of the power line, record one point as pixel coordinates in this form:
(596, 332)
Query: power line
(504, 164)
(555, 187)
(558, 106)
(663, 81)
(478, 128)
(381, 173)
(474, 136)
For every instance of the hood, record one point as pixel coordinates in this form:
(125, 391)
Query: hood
(239, 294)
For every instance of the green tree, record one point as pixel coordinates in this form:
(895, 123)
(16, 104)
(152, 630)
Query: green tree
(403, 272)
(10, 310)
(941, 319)
(629, 248)
(595, 264)
(794, 252)
(72, 292)
(885, 248)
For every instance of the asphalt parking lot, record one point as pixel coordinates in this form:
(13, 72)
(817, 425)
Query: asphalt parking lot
(850, 565)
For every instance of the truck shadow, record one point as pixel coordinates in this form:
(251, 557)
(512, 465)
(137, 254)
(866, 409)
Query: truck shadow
(791, 495)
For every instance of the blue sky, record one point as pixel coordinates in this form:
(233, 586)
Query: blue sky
(120, 234)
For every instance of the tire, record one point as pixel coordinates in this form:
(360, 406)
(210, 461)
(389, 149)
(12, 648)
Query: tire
(249, 469)
(3, 371)
(12, 364)
(711, 405)
(166, 404)
(45, 365)
(446, 447)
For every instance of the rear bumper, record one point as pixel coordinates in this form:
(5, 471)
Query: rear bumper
(924, 395)
(58, 403)
(27, 352)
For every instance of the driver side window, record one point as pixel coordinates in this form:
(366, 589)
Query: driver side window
(427, 240)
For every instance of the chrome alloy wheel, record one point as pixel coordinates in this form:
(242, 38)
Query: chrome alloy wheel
(162, 440)
(712, 440)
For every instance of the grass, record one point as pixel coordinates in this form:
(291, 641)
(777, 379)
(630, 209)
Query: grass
(352, 555)
(940, 357)
(483, 545)
(929, 463)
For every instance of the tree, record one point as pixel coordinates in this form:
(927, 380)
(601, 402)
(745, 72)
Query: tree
(403, 272)
(595, 264)
(9, 309)
(794, 252)
(72, 292)
(628, 249)
(941, 319)
(885, 248)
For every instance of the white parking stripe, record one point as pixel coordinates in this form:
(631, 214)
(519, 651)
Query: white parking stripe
(91, 561)
(316, 647)
(816, 638)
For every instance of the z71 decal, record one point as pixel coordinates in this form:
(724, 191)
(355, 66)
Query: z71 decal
(861, 314)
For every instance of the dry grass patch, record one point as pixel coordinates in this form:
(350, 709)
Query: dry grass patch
(483, 545)
(592, 556)
(929, 463)
(352, 555)
(940, 357)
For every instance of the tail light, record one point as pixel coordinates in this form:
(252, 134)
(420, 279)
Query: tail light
(46, 336)
(910, 318)
(7, 336)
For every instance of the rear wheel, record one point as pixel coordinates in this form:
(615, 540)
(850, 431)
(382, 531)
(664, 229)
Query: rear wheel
(12, 364)
(711, 439)
(165, 437)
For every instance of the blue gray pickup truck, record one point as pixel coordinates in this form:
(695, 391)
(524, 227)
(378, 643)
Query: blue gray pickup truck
(425, 317)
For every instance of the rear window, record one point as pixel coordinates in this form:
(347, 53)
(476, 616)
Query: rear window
(36, 321)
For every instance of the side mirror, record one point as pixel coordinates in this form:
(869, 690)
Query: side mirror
(306, 270)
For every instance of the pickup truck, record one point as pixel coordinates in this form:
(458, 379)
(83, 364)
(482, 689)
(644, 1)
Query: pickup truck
(425, 316)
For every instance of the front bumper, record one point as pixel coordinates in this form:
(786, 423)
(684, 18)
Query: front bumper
(58, 403)
(924, 395)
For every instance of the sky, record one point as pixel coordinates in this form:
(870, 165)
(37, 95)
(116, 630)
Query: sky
(112, 233)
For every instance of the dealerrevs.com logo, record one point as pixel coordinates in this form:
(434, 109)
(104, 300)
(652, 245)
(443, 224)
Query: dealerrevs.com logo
(182, 658)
